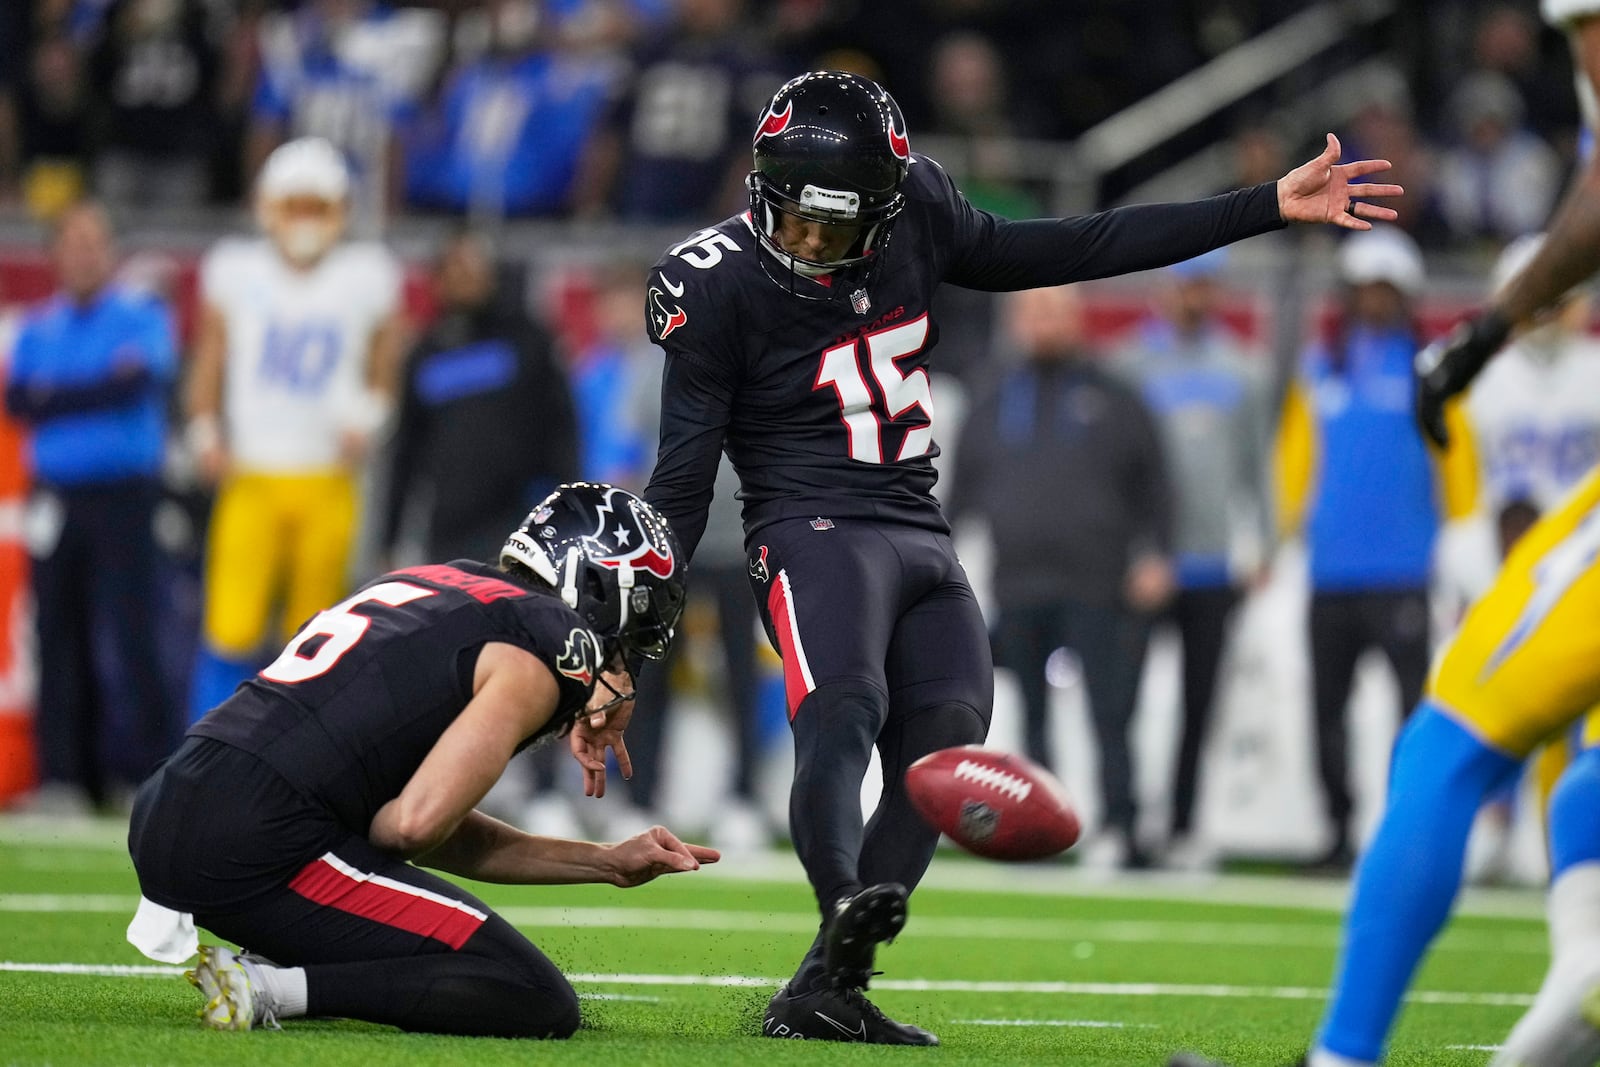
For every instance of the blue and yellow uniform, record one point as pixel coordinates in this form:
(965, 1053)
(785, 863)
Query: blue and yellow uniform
(299, 349)
(1525, 664)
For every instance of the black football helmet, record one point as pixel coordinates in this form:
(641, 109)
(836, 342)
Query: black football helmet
(830, 147)
(613, 559)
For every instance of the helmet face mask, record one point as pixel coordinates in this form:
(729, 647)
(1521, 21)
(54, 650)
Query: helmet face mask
(830, 149)
(613, 559)
(303, 228)
(301, 197)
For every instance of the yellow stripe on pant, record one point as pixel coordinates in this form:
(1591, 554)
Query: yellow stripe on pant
(1525, 663)
(276, 540)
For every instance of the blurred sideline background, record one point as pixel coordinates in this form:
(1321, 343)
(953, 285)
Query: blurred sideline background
(447, 112)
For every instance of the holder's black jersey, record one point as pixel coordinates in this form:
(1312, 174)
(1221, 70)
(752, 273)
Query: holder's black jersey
(824, 406)
(361, 694)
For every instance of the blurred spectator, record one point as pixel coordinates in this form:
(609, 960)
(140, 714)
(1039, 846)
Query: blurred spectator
(973, 103)
(1506, 41)
(676, 147)
(1063, 461)
(90, 375)
(1500, 180)
(296, 351)
(52, 126)
(1259, 155)
(1209, 399)
(350, 71)
(466, 446)
(153, 72)
(13, 42)
(510, 126)
(1384, 124)
(616, 429)
(1355, 477)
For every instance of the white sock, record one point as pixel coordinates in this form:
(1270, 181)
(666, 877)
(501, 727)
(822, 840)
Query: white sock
(1574, 906)
(1321, 1057)
(1554, 1033)
(283, 988)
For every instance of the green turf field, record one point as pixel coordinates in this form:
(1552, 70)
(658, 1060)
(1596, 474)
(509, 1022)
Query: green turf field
(1008, 966)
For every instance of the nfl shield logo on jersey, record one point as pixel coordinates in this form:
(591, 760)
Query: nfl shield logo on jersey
(861, 301)
(819, 524)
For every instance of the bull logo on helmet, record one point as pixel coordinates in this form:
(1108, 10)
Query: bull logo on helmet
(899, 144)
(580, 658)
(773, 123)
(634, 541)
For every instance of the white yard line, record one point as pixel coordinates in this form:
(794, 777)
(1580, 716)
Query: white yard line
(97, 970)
(948, 873)
(1076, 931)
(912, 985)
(68, 902)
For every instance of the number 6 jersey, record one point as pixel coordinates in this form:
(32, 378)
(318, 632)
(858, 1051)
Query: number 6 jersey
(360, 695)
(824, 405)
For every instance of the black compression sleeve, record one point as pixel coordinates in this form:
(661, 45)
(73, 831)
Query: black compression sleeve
(695, 405)
(999, 255)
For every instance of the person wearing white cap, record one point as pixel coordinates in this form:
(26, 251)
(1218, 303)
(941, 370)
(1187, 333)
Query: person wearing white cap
(1355, 480)
(295, 360)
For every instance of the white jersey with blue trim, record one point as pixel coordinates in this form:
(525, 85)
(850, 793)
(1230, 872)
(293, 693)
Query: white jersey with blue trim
(1535, 415)
(297, 346)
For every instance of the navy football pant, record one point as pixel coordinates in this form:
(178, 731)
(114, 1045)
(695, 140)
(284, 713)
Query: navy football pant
(883, 646)
(387, 942)
(217, 833)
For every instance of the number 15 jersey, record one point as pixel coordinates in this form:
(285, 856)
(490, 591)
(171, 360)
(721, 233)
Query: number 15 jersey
(824, 405)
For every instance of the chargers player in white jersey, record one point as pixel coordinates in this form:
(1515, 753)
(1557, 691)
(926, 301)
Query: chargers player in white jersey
(295, 361)
(1522, 668)
(1534, 414)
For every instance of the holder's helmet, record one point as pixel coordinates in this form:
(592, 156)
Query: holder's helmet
(612, 558)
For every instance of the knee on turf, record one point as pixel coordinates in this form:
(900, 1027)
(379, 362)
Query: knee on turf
(561, 1017)
(538, 1009)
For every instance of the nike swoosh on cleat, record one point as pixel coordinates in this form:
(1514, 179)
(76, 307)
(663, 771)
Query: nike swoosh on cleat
(859, 1034)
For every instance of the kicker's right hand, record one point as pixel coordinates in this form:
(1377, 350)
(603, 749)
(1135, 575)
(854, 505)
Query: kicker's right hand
(1447, 367)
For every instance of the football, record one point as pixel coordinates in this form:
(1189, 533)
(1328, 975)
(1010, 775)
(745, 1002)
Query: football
(994, 804)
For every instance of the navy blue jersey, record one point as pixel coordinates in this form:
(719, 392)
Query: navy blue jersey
(823, 406)
(361, 694)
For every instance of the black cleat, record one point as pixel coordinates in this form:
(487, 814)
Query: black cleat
(858, 925)
(834, 1013)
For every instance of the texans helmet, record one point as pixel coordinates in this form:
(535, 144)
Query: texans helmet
(831, 148)
(612, 558)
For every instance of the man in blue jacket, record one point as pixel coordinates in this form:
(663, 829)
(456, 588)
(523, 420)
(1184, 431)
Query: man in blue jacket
(89, 375)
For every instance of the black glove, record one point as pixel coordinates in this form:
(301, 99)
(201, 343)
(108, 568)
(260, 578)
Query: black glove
(1446, 367)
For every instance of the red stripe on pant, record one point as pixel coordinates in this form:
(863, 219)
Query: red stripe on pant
(322, 883)
(781, 611)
